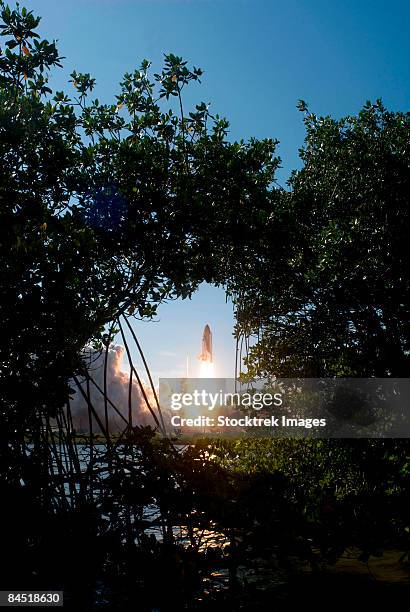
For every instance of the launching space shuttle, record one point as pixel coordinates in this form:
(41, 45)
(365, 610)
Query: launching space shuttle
(206, 353)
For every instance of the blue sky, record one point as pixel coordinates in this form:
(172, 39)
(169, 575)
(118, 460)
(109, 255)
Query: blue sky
(259, 58)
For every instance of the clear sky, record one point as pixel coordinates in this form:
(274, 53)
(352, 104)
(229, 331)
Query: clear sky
(259, 58)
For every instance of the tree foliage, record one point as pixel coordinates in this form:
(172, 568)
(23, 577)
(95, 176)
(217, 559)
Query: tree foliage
(334, 299)
(106, 208)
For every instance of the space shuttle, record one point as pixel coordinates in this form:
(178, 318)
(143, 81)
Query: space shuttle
(206, 353)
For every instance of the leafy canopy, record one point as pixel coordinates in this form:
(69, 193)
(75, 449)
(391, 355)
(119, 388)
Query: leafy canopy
(107, 208)
(335, 296)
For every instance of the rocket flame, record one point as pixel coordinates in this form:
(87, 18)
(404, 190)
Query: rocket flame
(206, 369)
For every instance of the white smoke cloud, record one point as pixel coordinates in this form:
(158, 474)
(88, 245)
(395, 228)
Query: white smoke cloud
(118, 392)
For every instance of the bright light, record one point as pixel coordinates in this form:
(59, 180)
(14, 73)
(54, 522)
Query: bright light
(206, 370)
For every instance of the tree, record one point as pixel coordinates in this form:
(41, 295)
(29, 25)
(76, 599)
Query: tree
(336, 300)
(105, 208)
